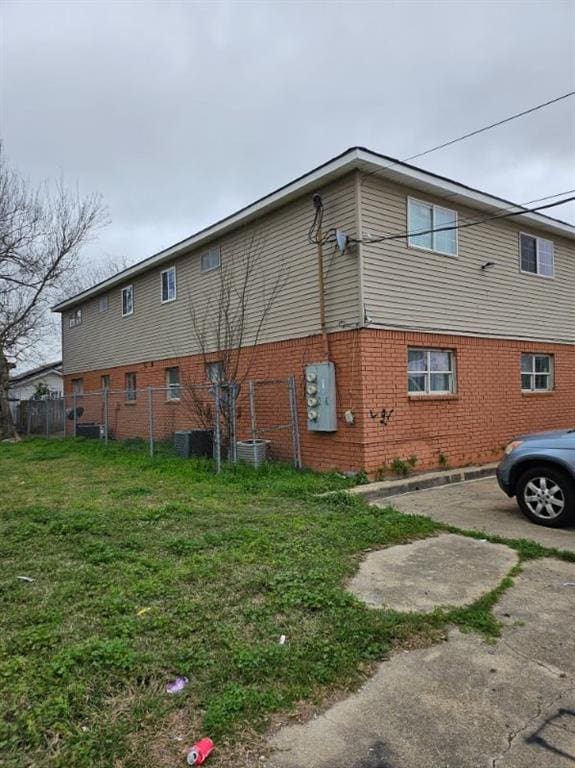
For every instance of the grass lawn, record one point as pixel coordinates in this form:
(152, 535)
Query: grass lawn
(145, 569)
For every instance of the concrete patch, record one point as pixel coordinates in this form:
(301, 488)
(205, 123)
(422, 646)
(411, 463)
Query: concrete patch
(447, 570)
(464, 703)
(480, 505)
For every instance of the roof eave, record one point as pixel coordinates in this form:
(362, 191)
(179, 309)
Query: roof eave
(355, 157)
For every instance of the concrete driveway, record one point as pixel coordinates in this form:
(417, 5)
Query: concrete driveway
(464, 703)
(479, 505)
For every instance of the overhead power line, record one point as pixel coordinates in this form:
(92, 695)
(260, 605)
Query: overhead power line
(475, 132)
(492, 125)
(417, 233)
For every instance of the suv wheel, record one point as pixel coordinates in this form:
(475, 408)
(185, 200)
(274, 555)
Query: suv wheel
(546, 496)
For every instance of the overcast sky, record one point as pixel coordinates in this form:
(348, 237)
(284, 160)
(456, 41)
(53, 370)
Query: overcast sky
(178, 113)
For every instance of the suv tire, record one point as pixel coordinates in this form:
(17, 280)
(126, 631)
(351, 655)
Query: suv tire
(546, 496)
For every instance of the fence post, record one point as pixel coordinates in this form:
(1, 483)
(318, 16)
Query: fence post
(74, 412)
(151, 418)
(232, 397)
(28, 417)
(217, 433)
(106, 416)
(292, 396)
(47, 418)
(252, 394)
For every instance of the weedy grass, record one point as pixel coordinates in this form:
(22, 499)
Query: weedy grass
(144, 569)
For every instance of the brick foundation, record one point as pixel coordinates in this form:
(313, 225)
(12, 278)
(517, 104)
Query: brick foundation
(471, 426)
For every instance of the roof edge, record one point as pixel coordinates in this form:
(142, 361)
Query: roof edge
(348, 160)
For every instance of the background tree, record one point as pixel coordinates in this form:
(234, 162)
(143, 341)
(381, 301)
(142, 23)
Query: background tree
(227, 325)
(42, 231)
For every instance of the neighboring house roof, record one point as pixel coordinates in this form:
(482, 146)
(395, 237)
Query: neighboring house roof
(37, 373)
(354, 158)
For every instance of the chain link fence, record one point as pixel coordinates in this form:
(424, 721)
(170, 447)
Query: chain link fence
(210, 420)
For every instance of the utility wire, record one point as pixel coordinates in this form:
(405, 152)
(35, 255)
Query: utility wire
(492, 125)
(472, 133)
(499, 215)
(417, 233)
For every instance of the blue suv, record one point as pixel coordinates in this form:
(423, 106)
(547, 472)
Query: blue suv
(539, 470)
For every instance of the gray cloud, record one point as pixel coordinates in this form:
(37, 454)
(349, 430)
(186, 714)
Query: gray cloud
(181, 112)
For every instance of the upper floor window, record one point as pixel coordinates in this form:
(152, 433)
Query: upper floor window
(168, 278)
(75, 317)
(131, 389)
(537, 256)
(127, 300)
(105, 382)
(436, 227)
(173, 383)
(536, 373)
(211, 259)
(103, 303)
(430, 372)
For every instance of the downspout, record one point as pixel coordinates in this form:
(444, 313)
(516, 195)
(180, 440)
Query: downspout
(325, 340)
(321, 282)
(359, 246)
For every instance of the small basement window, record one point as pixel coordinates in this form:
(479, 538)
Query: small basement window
(430, 372)
(75, 317)
(131, 390)
(211, 259)
(168, 278)
(537, 256)
(536, 373)
(127, 300)
(173, 383)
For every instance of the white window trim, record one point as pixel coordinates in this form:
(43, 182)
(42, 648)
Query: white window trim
(537, 239)
(212, 364)
(169, 386)
(162, 273)
(128, 390)
(127, 288)
(432, 206)
(428, 372)
(73, 321)
(204, 253)
(532, 373)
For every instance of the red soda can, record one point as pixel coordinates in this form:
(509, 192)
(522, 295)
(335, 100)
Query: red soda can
(200, 752)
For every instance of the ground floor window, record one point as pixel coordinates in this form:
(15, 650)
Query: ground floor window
(536, 372)
(173, 383)
(78, 386)
(430, 371)
(215, 372)
(130, 382)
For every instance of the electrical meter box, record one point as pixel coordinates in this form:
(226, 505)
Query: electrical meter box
(320, 397)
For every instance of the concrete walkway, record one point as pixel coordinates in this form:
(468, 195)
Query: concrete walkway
(479, 505)
(442, 571)
(464, 703)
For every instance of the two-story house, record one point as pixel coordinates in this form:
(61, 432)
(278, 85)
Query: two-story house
(448, 313)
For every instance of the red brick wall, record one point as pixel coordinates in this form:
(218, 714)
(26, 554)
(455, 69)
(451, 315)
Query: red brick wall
(471, 426)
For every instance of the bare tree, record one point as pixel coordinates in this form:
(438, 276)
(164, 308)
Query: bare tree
(228, 324)
(89, 273)
(42, 231)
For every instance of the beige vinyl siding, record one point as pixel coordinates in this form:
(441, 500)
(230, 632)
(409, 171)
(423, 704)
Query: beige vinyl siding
(417, 289)
(156, 330)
